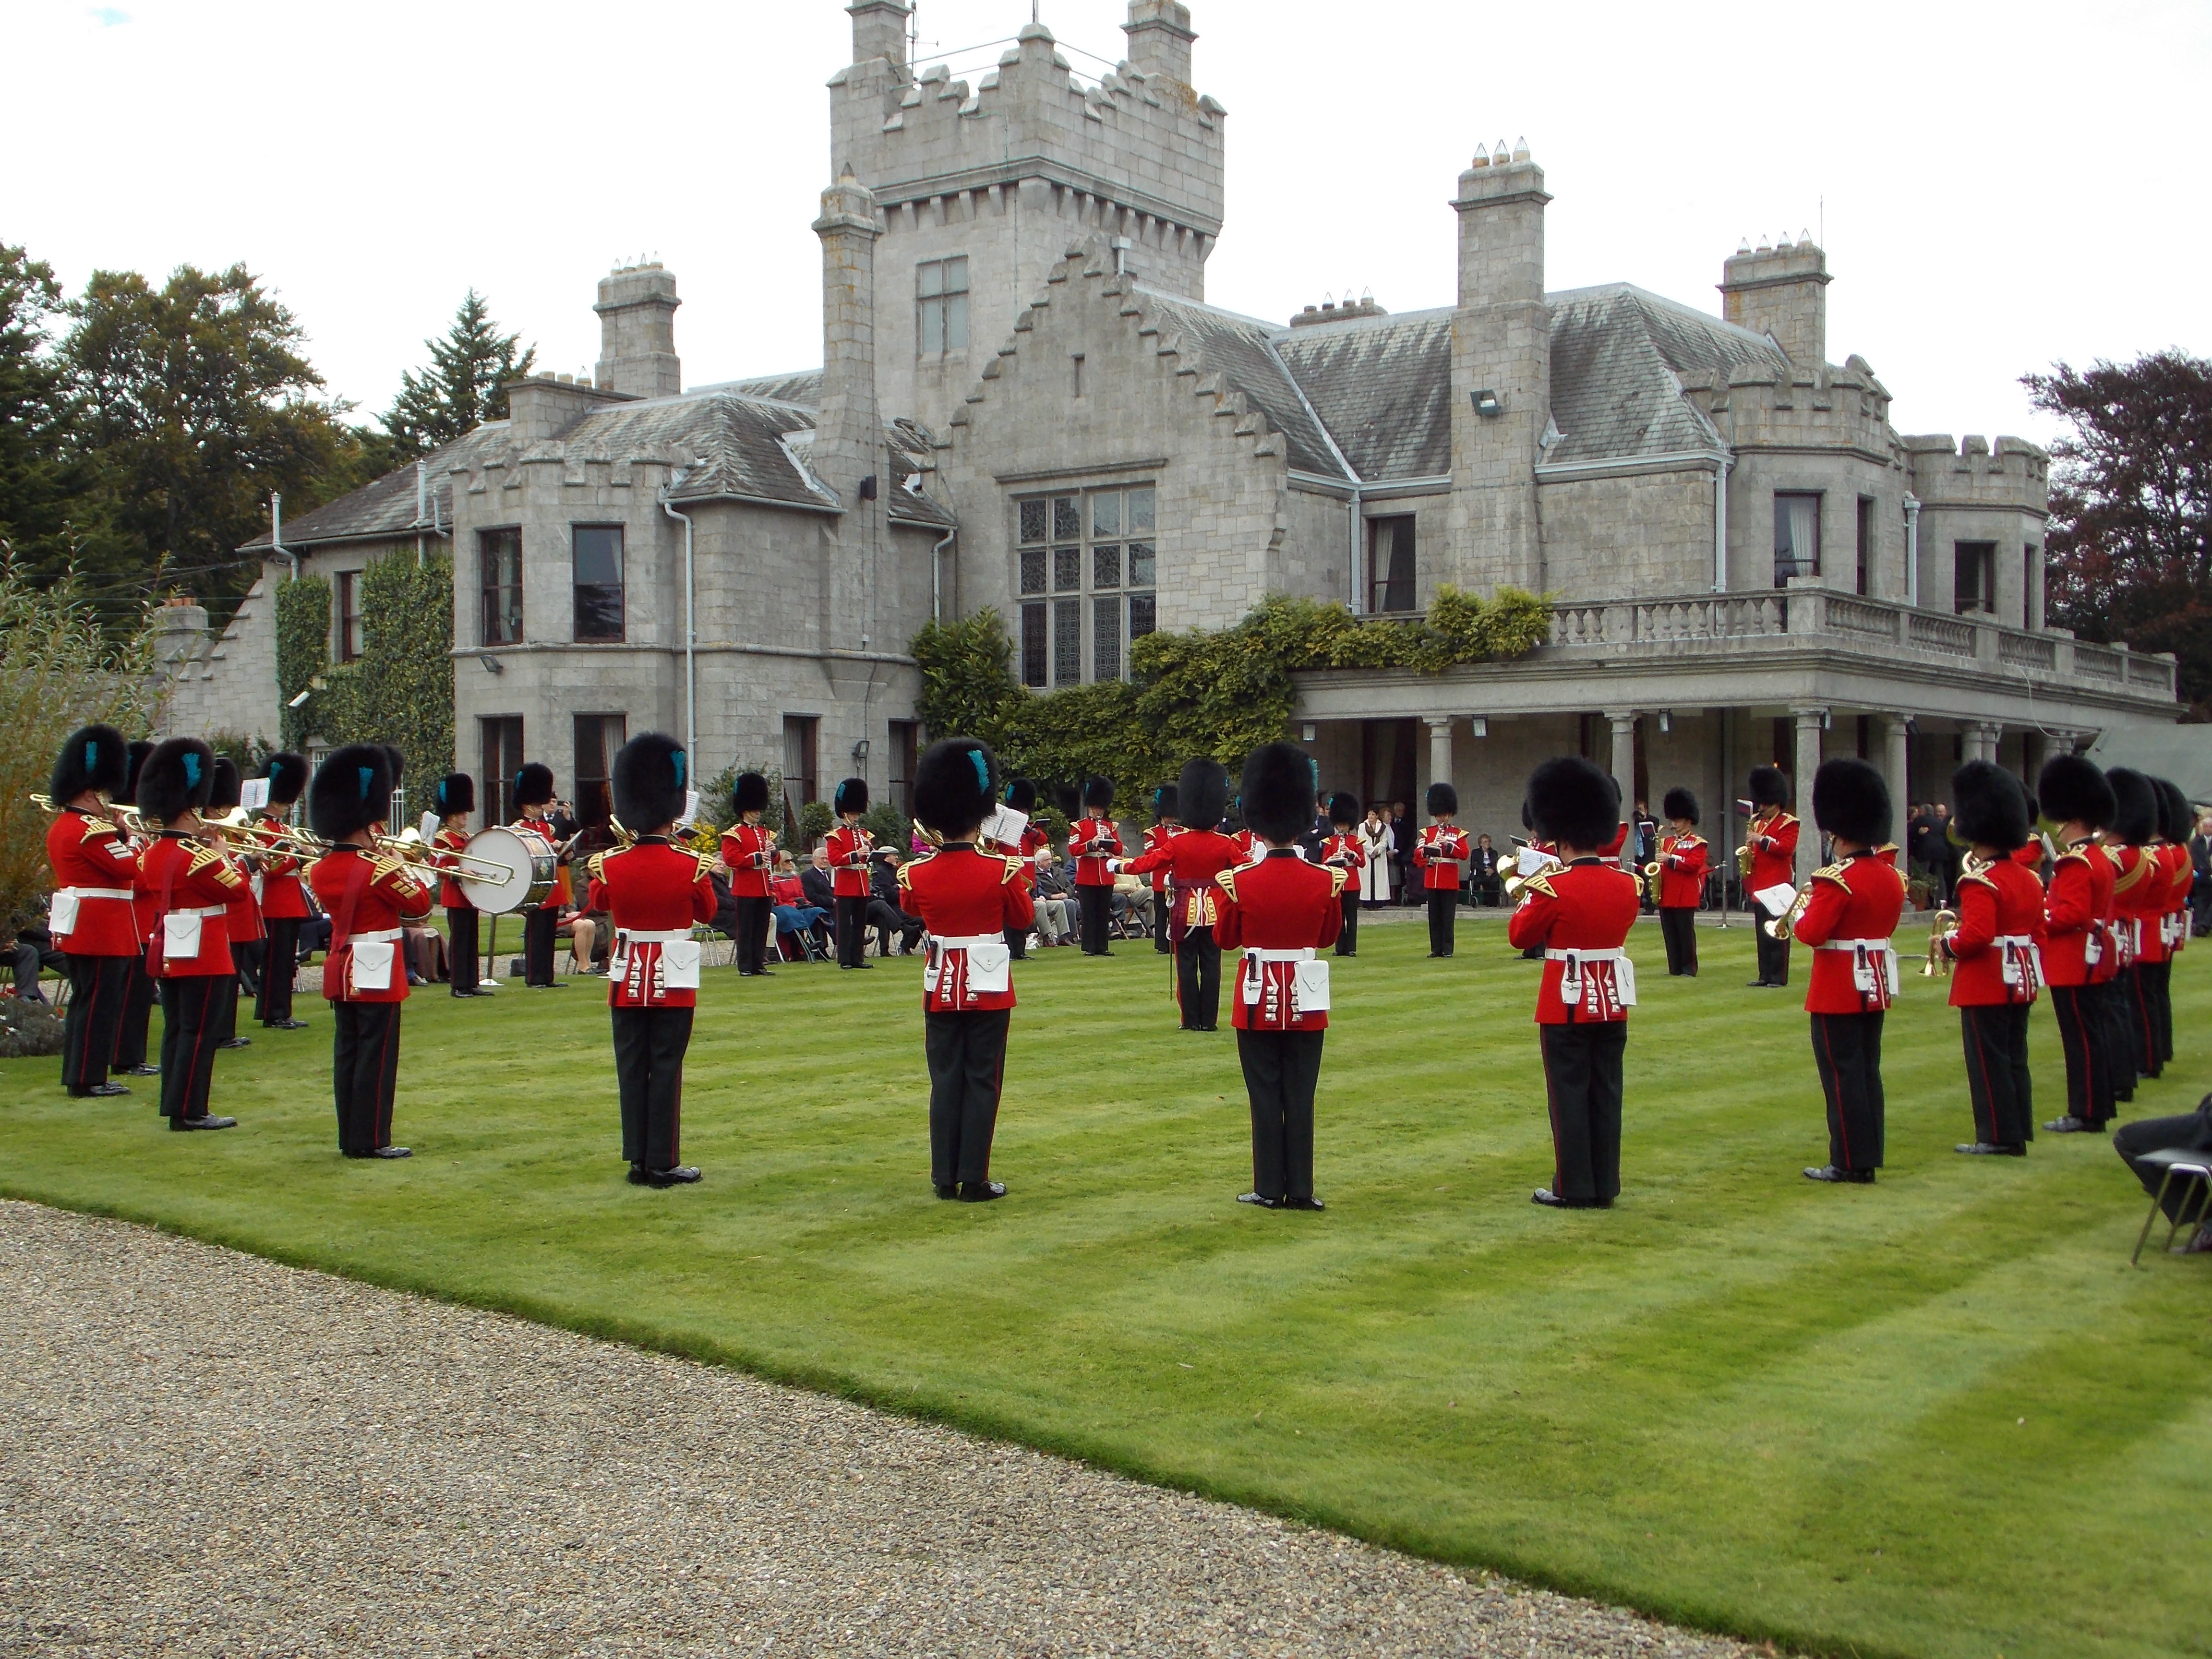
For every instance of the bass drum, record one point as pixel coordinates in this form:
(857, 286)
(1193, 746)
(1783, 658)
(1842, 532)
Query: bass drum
(529, 861)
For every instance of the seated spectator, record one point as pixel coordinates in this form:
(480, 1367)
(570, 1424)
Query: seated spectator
(794, 916)
(1132, 905)
(817, 883)
(883, 913)
(1484, 885)
(30, 948)
(1055, 903)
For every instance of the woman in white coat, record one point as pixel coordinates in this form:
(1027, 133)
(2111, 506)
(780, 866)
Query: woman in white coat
(1380, 843)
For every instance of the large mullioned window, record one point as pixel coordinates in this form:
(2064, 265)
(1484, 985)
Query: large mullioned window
(1088, 567)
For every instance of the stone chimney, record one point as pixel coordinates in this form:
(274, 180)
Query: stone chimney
(879, 31)
(637, 332)
(848, 436)
(1782, 291)
(1501, 385)
(1159, 38)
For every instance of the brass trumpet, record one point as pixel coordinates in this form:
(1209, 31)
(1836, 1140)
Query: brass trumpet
(1938, 966)
(412, 850)
(1785, 925)
(1513, 881)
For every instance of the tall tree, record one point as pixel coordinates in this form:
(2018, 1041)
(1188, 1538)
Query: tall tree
(2129, 546)
(37, 477)
(463, 386)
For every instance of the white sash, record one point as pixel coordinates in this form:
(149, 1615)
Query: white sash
(1868, 951)
(1575, 985)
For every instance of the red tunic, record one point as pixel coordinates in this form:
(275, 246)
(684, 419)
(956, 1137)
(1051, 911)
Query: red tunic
(1247, 848)
(2181, 876)
(1590, 905)
(1193, 859)
(185, 876)
(561, 888)
(1344, 852)
(1682, 871)
(283, 897)
(1158, 836)
(1279, 903)
(443, 846)
(244, 920)
(2075, 906)
(95, 867)
(849, 851)
(2000, 918)
(1092, 842)
(1773, 853)
(1853, 910)
(652, 888)
(750, 851)
(2152, 897)
(2132, 878)
(368, 895)
(1441, 851)
(966, 900)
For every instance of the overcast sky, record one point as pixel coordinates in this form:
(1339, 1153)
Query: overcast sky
(1998, 187)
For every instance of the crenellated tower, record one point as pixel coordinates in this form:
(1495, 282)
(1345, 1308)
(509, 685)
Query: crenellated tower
(981, 189)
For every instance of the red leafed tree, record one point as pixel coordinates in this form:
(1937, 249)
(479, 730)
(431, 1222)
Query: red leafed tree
(2129, 546)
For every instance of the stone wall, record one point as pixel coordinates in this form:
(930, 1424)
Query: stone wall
(224, 681)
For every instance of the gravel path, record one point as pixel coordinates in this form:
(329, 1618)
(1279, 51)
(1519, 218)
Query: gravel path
(203, 1453)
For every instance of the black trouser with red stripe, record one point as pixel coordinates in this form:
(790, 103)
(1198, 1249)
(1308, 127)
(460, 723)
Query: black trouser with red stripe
(1198, 979)
(1348, 938)
(2158, 1003)
(1581, 1084)
(1677, 930)
(2141, 997)
(1997, 1081)
(1443, 906)
(649, 1047)
(1773, 953)
(2114, 1008)
(223, 1007)
(141, 992)
(187, 1043)
(99, 987)
(852, 930)
(754, 919)
(1094, 910)
(365, 1073)
(462, 952)
(967, 1065)
(2088, 1064)
(1847, 1049)
(280, 966)
(539, 929)
(1282, 1070)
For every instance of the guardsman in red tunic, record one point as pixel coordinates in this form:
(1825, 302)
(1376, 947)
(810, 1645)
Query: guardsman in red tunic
(1441, 853)
(90, 918)
(850, 847)
(533, 810)
(2169, 926)
(1772, 838)
(2148, 942)
(1578, 916)
(2135, 879)
(144, 991)
(1021, 797)
(283, 898)
(189, 884)
(2074, 793)
(653, 892)
(969, 900)
(1344, 850)
(1194, 858)
(244, 920)
(368, 895)
(1851, 911)
(1167, 823)
(1682, 857)
(749, 854)
(1094, 843)
(1281, 910)
(453, 798)
(1999, 967)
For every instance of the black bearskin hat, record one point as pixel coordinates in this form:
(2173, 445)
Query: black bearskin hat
(651, 781)
(2176, 821)
(1098, 792)
(453, 794)
(351, 790)
(1444, 800)
(2075, 791)
(2135, 813)
(1021, 795)
(1573, 803)
(288, 777)
(1167, 802)
(229, 788)
(1203, 789)
(1277, 791)
(1343, 810)
(533, 785)
(94, 758)
(955, 785)
(750, 794)
(127, 795)
(1988, 806)
(1770, 787)
(852, 796)
(176, 779)
(1680, 803)
(1850, 798)
(1527, 818)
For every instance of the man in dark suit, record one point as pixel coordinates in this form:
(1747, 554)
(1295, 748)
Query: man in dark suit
(2200, 895)
(2191, 1131)
(816, 881)
(883, 913)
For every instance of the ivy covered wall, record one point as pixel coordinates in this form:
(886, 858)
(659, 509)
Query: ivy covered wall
(400, 690)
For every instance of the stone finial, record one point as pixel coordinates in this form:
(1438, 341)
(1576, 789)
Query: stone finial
(848, 204)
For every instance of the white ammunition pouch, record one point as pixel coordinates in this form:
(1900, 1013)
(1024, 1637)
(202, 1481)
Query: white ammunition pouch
(369, 959)
(181, 932)
(1585, 975)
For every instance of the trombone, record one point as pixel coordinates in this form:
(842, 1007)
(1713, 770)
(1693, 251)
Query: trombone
(410, 848)
(130, 817)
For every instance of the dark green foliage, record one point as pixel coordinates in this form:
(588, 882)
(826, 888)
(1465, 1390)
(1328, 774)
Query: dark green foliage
(400, 691)
(967, 677)
(303, 649)
(815, 820)
(889, 826)
(715, 798)
(249, 751)
(464, 387)
(39, 476)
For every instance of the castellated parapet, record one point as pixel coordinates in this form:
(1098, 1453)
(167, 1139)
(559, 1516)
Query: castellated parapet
(1003, 173)
(2013, 474)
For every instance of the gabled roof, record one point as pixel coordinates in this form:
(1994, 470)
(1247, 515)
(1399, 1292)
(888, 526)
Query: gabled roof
(1242, 350)
(386, 508)
(1620, 356)
(1382, 387)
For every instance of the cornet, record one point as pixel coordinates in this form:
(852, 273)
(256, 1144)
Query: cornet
(1514, 880)
(1938, 965)
(1785, 926)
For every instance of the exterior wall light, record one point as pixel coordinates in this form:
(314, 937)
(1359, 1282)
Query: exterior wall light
(1487, 403)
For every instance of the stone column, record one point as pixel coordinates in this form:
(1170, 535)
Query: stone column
(1897, 771)
(1624, 777)
(1808, 762)
(2032, 752)
(1440, 754)
(1981, 740)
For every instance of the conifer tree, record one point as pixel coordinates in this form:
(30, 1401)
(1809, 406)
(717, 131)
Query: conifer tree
(462, 387)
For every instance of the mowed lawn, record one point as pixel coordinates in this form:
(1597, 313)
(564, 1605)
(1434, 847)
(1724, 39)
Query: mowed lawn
(1938, 1416)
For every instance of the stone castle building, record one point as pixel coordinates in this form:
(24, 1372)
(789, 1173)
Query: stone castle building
(1026, 402)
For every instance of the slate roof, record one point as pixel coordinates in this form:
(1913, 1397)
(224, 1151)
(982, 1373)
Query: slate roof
(385, 508)
(1382, 386)
(1620, 356)
(1242, 350)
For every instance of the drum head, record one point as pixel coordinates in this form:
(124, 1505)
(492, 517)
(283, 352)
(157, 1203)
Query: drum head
(529, 861)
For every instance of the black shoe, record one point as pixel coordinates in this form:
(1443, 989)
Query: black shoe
(981, 1192)
(384, 1151)
(100, 1091)
(949, 1190)
(138, 1071)
(459, 993)
(285, 1025)
(1830, 1172)
(1758, 984)
(1986, 1149)
(1259, 1198)
(1303, 1204)
(681, 1176)
(202, 1123)
(1547, 1198)
(871, 964)
(2070, 1126)
(637, 1175)
(235, 1043)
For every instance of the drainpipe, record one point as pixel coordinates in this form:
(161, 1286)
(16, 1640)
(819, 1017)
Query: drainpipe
(1720, 466)
(1912, 550)
(690, 627)
(276, 532)
(937, 579)
(421, 506)
(1358, 587)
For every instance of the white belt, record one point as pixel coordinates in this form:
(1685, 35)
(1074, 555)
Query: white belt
(2018, 941)
(1614, 955)
(672, 937)
(1252, 955)
(211, 910)
(81, 893)
(970, 941)
(382, 936)
(1853, 945)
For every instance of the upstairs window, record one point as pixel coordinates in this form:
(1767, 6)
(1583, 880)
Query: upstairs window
(940, 290)
(1390, 564)
(1866, 545)
(1973, 577)
(500, 554)
(349, 615)
(1797, 535)
(599, 556)
(1087, 572)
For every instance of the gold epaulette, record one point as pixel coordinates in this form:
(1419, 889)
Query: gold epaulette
(1226, 881)
(598, 862)
(706, 866)
(1011, 873)
(1337, 874)
(1981, 876)
(225, 872)
(1833, 873)
(2079, 854)
(94, 827)
(1539, 884)
(906, 869)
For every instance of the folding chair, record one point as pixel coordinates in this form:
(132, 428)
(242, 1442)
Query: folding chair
(2190, 1166)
